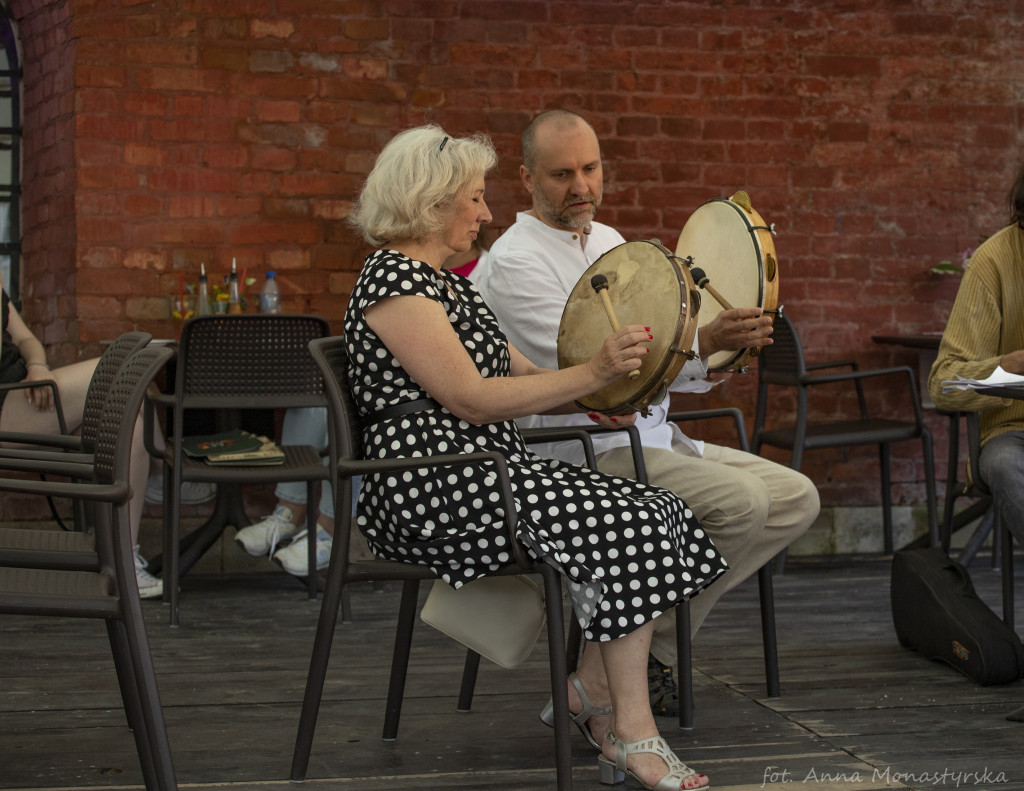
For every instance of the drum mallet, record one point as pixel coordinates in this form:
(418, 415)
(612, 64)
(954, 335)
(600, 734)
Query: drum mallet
(600, 285)
(704, 282)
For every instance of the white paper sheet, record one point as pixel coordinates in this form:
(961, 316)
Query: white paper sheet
(999, 378)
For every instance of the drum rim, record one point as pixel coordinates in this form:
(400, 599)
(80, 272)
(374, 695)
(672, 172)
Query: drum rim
(732, 363)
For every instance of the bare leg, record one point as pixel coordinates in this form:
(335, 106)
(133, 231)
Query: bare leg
(625, 663)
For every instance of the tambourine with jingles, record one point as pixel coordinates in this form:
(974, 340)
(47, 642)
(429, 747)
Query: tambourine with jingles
(645, 284)
(731, 254)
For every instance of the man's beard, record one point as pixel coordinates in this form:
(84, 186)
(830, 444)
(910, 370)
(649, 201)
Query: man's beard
(561, 217)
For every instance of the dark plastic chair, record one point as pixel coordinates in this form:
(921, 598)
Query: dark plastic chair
(28, 548)
(230, 364)
(765, 587)
(782, 364)
(346, 455)
(973, 487)
(109, 593)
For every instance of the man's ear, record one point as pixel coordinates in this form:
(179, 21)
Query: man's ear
(527, 178)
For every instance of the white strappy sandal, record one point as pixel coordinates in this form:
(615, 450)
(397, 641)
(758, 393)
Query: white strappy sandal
(580, 720)
(615, 772)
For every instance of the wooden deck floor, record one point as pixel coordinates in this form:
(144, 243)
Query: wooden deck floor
(856, 711)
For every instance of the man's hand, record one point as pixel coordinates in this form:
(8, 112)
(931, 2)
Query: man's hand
(735, 329)
(1013, 363)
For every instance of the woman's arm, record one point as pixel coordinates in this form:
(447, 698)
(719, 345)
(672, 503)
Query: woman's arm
(417, 332)
(35, 359)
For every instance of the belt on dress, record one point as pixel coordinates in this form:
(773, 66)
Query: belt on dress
(397, 410)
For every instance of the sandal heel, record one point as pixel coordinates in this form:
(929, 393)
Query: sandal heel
(609, 774)
(547, 716)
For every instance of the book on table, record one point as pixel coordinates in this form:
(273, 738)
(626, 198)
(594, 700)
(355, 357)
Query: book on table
(266, 454)
(236, 441)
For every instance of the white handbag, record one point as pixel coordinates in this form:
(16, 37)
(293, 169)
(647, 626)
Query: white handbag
(498, 617)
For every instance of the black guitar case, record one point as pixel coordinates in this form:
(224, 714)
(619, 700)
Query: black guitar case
(937, 613)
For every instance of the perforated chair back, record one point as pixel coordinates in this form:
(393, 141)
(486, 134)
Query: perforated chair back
(249, 362)
(782, 362)
(106, 369)
(125, 394)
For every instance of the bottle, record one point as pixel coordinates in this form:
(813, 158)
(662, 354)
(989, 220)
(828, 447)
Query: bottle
(203, 298)
(234, 300)
(270, 295)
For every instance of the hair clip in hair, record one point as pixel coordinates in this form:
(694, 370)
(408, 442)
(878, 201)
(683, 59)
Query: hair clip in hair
(443, 143)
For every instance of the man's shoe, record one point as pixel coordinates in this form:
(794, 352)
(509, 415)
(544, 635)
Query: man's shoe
(192, 492)
(150, 587)
(263, 537)
(662, 688)
(293, 558)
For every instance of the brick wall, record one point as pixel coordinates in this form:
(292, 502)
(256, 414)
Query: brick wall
(879, 136)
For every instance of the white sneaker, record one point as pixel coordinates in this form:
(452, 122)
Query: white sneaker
(293, 558)
(150, 587)
(263, 537)
(192, 492)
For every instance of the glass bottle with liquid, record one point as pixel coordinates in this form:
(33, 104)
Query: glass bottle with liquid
(234, 297)
(203, 297)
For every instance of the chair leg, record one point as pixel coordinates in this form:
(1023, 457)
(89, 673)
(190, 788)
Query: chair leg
(311, 516)
(130, 697)
(928, 448)
(318, 661)
(400, 658)
(557, 664)
(469, 674)
(683, 646)
(883, 459)
(1007, 539)
(149, 696)
(768, 635)
(574, 645)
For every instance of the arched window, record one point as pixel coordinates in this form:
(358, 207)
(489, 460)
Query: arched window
(10, 155)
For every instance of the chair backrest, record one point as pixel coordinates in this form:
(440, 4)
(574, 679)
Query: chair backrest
(331, 356)
(249, 361)
(116, 426)
(106, 370)
(782, 362)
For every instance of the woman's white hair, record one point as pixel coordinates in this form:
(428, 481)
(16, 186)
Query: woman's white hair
(411, 191)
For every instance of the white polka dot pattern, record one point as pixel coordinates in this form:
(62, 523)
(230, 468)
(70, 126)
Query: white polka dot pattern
(628, 551)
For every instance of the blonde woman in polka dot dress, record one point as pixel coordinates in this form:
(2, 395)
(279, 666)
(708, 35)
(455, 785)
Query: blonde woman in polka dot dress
(432, 373)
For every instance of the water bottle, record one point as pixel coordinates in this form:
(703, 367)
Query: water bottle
(270, 296)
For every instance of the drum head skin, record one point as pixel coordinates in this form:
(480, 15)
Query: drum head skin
(648, 288)
(732, 246)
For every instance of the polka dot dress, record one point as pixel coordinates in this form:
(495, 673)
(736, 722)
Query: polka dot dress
(628, 551)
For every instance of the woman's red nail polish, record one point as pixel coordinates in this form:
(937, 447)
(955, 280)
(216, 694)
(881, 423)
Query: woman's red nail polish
(614, 420)
(650, 337)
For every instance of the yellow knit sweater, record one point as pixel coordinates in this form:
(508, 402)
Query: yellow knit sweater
(987, 321)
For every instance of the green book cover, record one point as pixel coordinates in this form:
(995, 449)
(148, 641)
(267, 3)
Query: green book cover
(236, 441)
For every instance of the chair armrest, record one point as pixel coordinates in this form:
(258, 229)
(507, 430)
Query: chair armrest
(831, 364)
(26, 385)
(46, 454)
(70, 442)
(350, 467)
(874, 373)
(60, 467)
(635, 445)
(532, 436)
(707, 414)
(117, 493)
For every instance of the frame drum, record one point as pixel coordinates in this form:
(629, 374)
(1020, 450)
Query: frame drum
(649, 286)
(732, 244)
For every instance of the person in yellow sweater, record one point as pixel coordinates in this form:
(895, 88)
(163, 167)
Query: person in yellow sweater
(985, 333)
